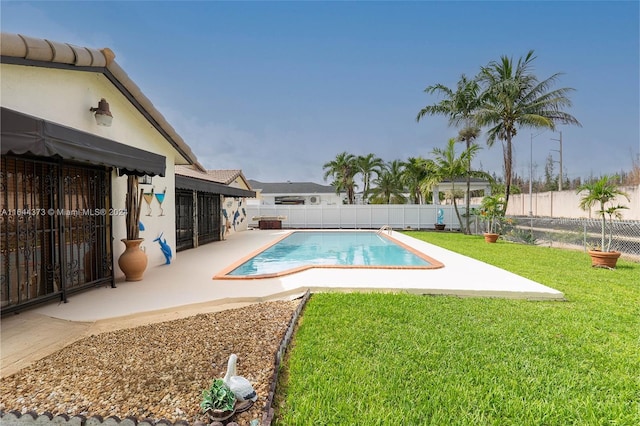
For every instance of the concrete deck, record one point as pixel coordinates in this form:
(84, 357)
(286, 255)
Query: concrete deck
(186, 287)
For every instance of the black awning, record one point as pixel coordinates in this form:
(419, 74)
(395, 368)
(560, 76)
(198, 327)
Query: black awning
(184, 182)
(23, 134)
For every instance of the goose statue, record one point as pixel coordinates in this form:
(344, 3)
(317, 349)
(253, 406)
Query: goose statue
(240, 386)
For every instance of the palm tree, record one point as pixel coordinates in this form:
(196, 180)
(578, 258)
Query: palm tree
(468, 135)
(367, 166)
(447, 166)
(414, 172)
(492, 209)
(343, 170)
(600, 193)
(514, 97)
(460, 107)
(389, 186)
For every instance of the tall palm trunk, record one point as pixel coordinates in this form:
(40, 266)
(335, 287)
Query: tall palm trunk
(468, 134)
(467, 229)
(455, 205)
(508, 158)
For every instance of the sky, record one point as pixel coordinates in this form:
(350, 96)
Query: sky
(277, 89)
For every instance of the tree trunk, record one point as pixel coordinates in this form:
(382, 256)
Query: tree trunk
(604, 226)
(467, 229)
(455, 205)
(507, 169)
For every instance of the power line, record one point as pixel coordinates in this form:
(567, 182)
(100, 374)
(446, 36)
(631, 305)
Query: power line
(559, 151)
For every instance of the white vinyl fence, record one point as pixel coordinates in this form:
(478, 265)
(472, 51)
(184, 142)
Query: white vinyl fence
(531, 230)
(372, 216)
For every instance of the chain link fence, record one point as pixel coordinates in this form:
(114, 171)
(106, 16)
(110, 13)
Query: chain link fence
(582, 234)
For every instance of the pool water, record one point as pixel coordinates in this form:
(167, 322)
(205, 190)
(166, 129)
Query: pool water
(330, 248)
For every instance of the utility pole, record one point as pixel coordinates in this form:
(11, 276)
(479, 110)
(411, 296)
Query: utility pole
(560, 152)
(531, 173)
(531, 176)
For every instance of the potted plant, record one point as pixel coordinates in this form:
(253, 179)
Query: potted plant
(492, 211)
(218, 401)
(602, 193)
(133, 260)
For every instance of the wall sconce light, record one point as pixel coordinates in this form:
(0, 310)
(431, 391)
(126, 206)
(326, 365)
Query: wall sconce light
(102, 114)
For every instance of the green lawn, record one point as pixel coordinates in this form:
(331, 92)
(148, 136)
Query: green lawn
(400, 359)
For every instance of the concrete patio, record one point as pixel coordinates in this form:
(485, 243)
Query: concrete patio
(185, 287)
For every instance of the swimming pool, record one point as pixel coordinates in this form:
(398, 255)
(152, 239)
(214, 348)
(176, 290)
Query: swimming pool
(302, 250)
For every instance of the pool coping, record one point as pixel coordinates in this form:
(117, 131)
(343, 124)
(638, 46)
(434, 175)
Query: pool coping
(187, 281)
(223, 274)
(185, 288)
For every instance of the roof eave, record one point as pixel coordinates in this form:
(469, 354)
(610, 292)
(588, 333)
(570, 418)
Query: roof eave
(23, 50)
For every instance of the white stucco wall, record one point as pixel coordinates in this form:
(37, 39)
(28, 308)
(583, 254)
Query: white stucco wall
(234, 217)
(566, 204)
(65, 97)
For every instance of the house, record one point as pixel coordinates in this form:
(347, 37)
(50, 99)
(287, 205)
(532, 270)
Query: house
(73, 127)
(218, 198)
(287, 193)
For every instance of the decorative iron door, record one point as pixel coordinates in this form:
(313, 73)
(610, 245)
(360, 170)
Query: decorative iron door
(209, 217)
(55, 228)
(184, 220)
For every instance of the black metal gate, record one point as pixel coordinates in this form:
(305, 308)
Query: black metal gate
(209, 217)
(184, 219)
(55, 229)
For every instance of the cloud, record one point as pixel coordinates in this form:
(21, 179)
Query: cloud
(270, 154)
(32, 21)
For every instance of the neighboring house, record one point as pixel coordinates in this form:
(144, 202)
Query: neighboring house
(288, 193)
(64, 172)
(308, 193)
(460, 186)
(209, 205)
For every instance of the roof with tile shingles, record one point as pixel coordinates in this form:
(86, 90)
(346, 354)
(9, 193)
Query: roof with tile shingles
(21, 49)
(228, 176)
(225, 177)
(291, 187)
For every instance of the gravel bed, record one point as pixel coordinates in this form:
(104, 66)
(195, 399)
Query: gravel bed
(156, 370)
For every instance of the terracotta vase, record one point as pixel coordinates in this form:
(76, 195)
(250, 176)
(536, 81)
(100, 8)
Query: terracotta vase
(133, 261)
(490, 237)
(604, 259)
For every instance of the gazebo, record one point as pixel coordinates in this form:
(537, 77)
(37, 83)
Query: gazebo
(460, 184)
